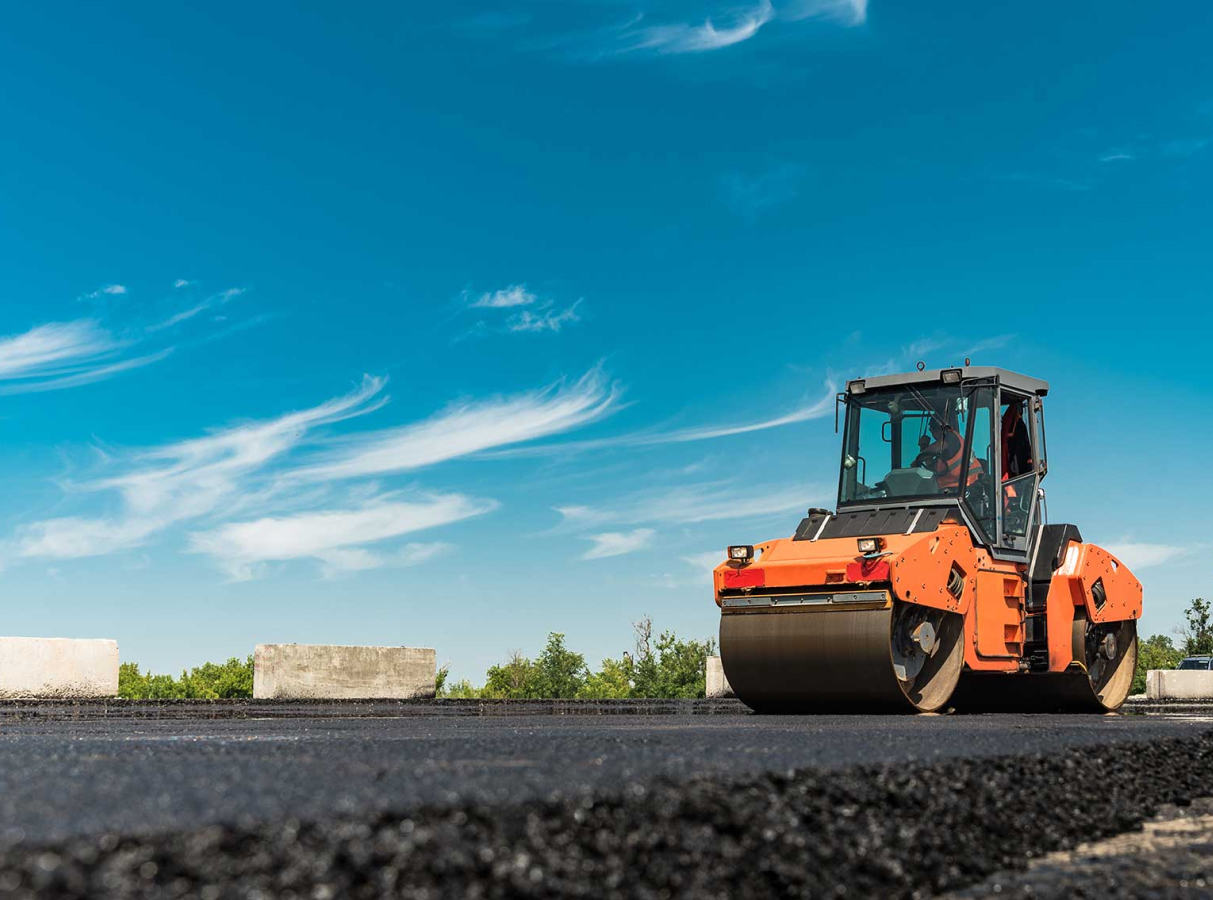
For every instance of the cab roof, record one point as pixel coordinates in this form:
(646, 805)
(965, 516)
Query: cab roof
(1005, 377)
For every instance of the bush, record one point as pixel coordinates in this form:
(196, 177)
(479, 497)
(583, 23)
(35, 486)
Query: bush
(612, 682)
(209, 681)
(1155, 652)
(674, 670)
(661, 668)
(515, 680)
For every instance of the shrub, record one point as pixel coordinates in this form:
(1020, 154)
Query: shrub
(1155, 652)
(209, 681)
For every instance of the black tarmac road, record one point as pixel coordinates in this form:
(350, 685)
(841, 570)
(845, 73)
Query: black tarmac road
(531, 805)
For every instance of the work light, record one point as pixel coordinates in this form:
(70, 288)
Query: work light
(870, 545)
(742, 552)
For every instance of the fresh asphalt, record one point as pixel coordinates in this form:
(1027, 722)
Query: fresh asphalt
(67, 779)
(725, 807)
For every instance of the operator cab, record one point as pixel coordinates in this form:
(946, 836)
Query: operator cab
(970, 438)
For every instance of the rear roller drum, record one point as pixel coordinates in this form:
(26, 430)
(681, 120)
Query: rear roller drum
(1098, 680)
(1109, 651)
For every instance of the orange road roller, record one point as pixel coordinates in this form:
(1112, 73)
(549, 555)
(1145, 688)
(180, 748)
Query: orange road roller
(937, 582)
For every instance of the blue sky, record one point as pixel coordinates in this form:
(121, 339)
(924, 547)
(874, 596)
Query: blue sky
(452, 324)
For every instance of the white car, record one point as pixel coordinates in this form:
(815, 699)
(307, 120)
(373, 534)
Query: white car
(1200, 663)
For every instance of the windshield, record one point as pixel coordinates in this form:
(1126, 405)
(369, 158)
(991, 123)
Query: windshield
(1194, 664)
(910, 442)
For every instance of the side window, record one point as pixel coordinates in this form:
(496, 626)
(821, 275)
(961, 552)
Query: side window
(1018, 467)
(980, 484)
(1017, 455)
(1042, 461)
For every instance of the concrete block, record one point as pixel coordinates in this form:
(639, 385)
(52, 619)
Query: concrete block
(57, 668)
(718, 685)
(331, 672)
(1174, 684)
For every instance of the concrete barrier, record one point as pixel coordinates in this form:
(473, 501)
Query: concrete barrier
(329, 672)
(718, 685)
(52, 668)
(1177, 684)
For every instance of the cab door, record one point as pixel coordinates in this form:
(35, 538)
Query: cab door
(1020, 469)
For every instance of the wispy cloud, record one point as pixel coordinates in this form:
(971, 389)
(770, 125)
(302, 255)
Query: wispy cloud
(178, 318)
(109, 290)
(706, 561)
(87, 375)
(617, 543)
(816, 409)
(54, 349)
(1138, 555)
(753, 194)
(61, 355)
(248, 507)
(470, 427)
(1117, 156)
(518, 310)
(328, 536)
(690, 504)
(182, 283)
(731, 27)
(346, 560)
(543, 321)
(716, 27)
(996, 342)
(848, 12)
(215, 300)
(506, 298)
(921, 349)
(183, 481)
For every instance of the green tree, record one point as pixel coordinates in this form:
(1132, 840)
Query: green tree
(440, 681)
(132, 684)
(668, 668)
(1155, 652)
(612, 682)
(163, 687)
(1198, 632)
(513, 680)
(559, 672)
(461, 690)
(219, 681)
(209, 681)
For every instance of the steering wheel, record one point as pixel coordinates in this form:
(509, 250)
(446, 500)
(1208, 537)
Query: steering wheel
(928, 459)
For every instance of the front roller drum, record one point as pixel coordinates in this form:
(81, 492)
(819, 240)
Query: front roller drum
(899, 657)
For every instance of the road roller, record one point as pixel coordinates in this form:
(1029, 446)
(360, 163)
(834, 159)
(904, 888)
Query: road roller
(937, 582)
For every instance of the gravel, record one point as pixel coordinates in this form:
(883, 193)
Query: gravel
(1172, 857)
(906, 830)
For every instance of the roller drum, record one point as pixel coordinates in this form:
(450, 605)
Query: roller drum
(846, 660)
(1097, 682)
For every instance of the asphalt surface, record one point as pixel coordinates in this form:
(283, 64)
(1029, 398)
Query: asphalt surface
(60, 779)
(573, 805)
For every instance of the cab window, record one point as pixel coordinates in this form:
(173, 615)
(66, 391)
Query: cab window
(1018, 466)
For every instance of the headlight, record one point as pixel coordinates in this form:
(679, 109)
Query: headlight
(742, 552)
